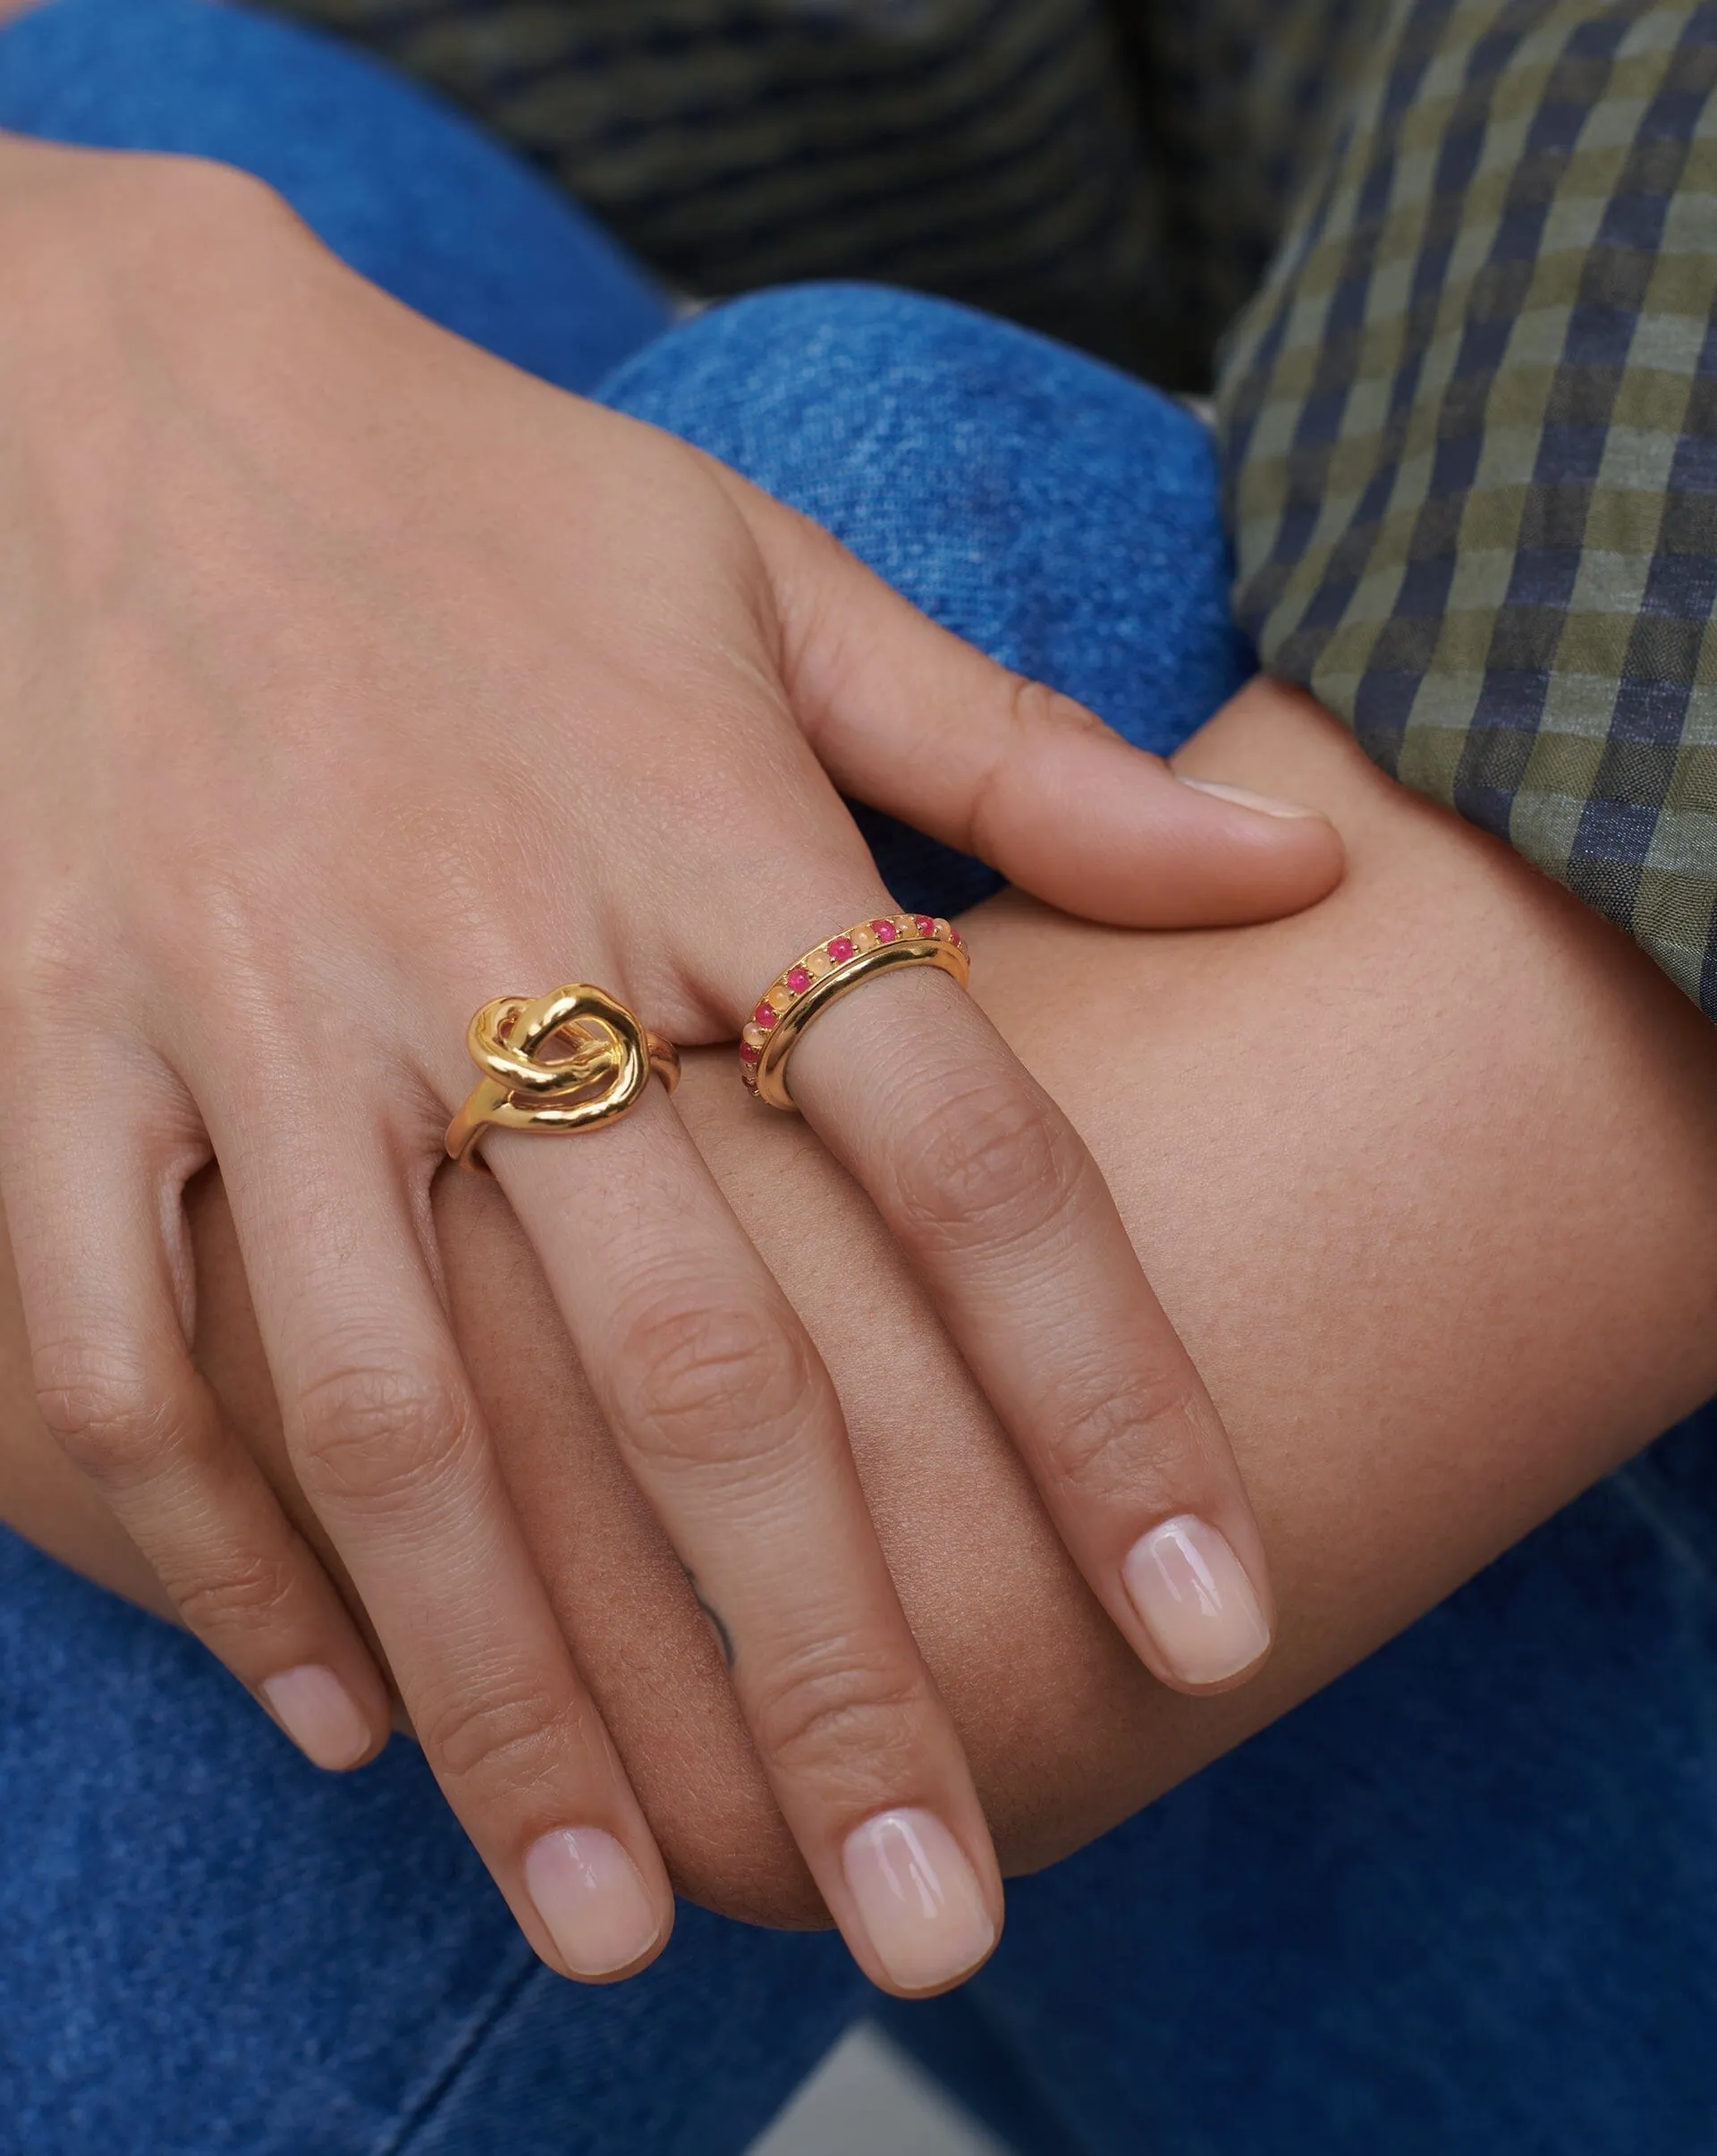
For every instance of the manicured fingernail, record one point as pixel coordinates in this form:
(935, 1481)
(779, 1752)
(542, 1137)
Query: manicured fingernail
(919, 1898)
(588, 1893)
(319, 1715)
(1195, 1600)
(1265, 804)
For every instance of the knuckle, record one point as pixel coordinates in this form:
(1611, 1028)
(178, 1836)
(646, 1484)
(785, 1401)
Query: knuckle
(250, 1594)
(1112, 1436)
(1036, 707)
(373, 1430)
(50, 963)
(505, 1735)
(992, 1163)
(1002, 794)
(838, 1713)
(107, 1416)
(706, 1382)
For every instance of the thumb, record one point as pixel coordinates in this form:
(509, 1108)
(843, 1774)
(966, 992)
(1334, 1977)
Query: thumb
(914, 721)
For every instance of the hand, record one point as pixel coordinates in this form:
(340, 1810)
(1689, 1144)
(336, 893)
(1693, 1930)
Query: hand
(352, 677)
(1425, 1348)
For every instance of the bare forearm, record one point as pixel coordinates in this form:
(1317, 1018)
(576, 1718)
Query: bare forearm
(1426, 1177)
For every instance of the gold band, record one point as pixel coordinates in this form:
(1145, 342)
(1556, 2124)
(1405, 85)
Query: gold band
(833, 969)
(604, 1077)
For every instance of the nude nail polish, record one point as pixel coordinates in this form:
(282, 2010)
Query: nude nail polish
(1242, 797)
(588, 1893)
(919, 1898)
(1195, 1600)
(319, 1715)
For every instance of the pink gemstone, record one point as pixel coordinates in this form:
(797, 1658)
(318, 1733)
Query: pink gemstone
(763, 1016)
(884, 932)
(840, 949)
(925, 924)
(748, 1054)
(953, 937)
(798, 980)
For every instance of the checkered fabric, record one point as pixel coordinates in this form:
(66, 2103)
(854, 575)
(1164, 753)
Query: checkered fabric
(1470, 427)
(1468, 414)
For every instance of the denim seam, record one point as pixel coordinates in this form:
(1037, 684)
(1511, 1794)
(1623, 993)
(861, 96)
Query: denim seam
(1672, 1530)
(422, 2112)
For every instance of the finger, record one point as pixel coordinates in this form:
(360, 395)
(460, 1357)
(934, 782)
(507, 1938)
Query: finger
(388, 1445)
(997, 1203)
(726, 1417)
(914, 721)
(93, 1219)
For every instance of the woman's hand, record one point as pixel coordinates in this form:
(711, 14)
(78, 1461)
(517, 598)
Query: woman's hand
(1428, 1176)
(351, 677)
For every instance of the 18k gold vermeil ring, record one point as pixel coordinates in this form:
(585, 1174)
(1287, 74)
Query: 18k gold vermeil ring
(609, 1063)
(831, 970)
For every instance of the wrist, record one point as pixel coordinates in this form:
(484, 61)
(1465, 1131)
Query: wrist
(67, 209)
(110, 258)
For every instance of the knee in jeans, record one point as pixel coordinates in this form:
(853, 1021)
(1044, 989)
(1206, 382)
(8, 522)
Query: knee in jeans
(1059, 514)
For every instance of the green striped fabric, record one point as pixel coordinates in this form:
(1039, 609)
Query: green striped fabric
(987, 149)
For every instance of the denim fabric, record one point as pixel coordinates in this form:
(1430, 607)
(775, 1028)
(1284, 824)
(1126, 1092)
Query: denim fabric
(1466, 1900)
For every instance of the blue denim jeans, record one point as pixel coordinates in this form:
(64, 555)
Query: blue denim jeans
(1465, 1901)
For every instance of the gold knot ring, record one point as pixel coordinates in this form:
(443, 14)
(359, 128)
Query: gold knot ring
(603, 1077)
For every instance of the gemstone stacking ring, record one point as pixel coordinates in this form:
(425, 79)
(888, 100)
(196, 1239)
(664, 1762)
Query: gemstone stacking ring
(829, 971)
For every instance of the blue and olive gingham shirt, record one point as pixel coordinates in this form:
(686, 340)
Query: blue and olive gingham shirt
(1449, 266)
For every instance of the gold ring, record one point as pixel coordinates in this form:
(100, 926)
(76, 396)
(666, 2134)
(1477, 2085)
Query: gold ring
(834, 970)
(604, 1077)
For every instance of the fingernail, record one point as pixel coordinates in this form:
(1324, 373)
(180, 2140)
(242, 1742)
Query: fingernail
(588, 1893)
(1195, 1600)
(919, 1898)
(319, 1715)
(1265, 803)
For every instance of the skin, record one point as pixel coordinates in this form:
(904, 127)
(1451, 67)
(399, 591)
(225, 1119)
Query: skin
(1427, 1176)
(351, 677)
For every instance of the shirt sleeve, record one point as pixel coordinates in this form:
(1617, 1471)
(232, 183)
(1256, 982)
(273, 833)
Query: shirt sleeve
(1470, 428)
